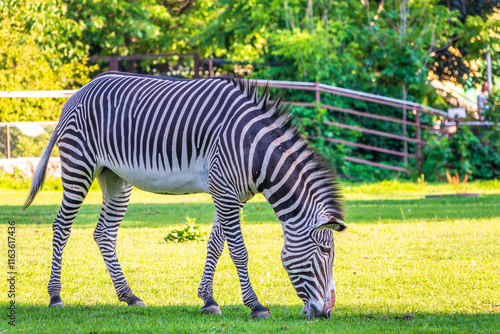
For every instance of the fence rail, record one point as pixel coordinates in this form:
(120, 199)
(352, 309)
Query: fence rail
(318, 88)
(38, 93)
(405, 105)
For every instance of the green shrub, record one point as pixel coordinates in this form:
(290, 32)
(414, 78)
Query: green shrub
(464, 153)
(492, 114)
(27, 147)
(18, 181)
(190, 232)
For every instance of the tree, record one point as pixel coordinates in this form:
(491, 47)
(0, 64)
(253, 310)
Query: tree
(137, 27)
(456, 61)
(40, 49)
(320, 41)
(240, 29)
(405, 34)
(484, 36)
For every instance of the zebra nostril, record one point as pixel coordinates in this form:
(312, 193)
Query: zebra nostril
(328, 314)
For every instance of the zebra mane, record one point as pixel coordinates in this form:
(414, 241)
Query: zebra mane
(277, 109)
(282, 115)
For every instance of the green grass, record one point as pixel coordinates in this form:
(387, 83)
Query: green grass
(436, 259)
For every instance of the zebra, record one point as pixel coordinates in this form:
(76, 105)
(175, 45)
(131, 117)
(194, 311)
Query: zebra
(179, 136)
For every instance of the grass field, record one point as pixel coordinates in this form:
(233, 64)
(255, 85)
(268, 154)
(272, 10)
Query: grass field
(405, 264)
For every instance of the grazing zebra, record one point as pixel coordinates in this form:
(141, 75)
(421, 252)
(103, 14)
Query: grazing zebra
(215, 136)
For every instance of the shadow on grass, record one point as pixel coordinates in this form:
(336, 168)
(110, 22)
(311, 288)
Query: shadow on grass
(235, 318)
(443, 208)
(369, 211)
(138, 215)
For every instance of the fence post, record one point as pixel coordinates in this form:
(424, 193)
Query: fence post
(316, 88)
(196, 58)
(419, 142)
(211, 67)
(8, 140)
(113, 63)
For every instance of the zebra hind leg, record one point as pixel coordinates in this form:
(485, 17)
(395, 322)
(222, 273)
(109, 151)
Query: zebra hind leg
(116, 194)
(215, 246)
(76, 183)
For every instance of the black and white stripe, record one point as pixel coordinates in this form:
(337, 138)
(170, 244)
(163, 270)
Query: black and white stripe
(185, 136)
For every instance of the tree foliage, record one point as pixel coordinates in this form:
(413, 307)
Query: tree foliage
(40, 49)
(111, 27)
(368, 45)
(457, 60)
(387, 47)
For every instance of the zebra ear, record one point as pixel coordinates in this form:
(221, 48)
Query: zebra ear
(333, 224)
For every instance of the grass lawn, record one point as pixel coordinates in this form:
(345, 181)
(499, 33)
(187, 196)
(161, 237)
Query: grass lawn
(405, 264)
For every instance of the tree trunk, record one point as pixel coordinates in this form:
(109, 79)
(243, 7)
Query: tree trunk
(311, 17)
(488, 69)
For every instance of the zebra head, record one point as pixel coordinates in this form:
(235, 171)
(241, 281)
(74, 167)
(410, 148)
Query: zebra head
(309, 264)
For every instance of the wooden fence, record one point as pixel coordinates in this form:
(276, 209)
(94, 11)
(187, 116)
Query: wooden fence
(417, 109)
(319, 89)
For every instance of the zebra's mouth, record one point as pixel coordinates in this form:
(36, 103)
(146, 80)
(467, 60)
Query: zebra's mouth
(313, 310)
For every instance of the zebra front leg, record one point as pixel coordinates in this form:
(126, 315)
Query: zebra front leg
(116, 194)
(215, 246)
(229, 215)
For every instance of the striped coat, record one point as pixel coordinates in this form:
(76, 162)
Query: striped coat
(215, 136)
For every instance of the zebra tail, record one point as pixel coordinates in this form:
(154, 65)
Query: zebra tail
(40, 171)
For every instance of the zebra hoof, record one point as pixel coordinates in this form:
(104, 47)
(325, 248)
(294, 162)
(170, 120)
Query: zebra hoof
(211, 307)
(214, 309)
(56, 301)
(136, 302)
(260, 312)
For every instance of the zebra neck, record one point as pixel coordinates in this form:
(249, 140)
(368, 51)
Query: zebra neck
(296, 206)
(301, 192)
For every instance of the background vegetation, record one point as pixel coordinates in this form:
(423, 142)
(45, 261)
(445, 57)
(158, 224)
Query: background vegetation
(388, 47)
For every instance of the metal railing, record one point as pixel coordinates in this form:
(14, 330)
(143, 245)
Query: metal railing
(38, 93)
(318, 88)
(417, 108)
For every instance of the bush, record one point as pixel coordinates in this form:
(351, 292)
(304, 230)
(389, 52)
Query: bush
(18, 181)
(190, 232)
(23, 146)
(464, 153)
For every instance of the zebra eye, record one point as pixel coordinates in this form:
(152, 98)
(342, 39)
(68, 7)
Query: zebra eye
(325, 250)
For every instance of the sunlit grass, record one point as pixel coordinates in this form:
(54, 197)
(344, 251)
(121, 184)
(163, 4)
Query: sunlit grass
(436, 259)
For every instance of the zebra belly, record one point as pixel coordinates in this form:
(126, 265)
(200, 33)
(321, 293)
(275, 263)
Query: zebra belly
(177, 182)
